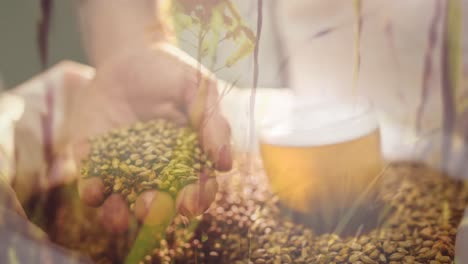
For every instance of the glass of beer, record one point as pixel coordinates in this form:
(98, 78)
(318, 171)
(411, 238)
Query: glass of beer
(322, 157)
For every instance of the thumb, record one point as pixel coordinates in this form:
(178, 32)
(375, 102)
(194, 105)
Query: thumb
(195, 90)
(203, 108)
(63, 169)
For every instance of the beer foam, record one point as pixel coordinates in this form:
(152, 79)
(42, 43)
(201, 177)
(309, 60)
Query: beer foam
(317, 124)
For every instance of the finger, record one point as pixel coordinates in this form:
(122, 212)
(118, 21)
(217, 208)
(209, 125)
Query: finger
(80, 71)
(60, 76)
(154, 207)
(76, 79)
(91, 191)
(115, 215)
(215, 138)
(63, 169)
(197, 94)
(205, 114)
(8, 198)
(194, 199)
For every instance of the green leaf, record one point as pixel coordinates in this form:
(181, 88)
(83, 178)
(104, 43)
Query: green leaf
(181, 22)
(451, 73)
(246, 48)
(216, 26)
(249, 34)
(223, 23)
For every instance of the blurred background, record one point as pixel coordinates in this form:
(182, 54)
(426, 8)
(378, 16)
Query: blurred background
(305, 45)
(19, 58)
(309, 46)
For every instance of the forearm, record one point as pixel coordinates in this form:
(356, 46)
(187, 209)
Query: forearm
(113, 26)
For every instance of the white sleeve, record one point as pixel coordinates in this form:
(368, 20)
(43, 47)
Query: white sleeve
(400, 61)
(11, 109)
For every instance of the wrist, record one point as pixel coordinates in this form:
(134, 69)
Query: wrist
(110, 29)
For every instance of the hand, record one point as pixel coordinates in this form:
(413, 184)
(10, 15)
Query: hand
(143, 84)
(43, 154)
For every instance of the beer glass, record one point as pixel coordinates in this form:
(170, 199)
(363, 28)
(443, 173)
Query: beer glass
(322, 157)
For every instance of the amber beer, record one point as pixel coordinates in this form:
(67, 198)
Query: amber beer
(322, 161)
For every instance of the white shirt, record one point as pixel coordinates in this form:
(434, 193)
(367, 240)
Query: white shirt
(318, 41)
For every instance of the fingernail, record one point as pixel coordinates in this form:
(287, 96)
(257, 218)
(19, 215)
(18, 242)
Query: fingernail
(195, 199)
(91, 191)
(211, 188)
(224, 162)
(142, 204)
(187, 200)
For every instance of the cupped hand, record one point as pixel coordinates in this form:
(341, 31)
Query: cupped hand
(42, 151)
(140, 85)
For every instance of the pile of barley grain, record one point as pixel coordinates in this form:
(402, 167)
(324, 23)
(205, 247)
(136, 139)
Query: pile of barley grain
(246, 225)
(151, 155)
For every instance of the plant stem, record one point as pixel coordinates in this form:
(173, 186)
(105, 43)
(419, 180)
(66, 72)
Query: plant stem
(448, 86)
(357, 44)
(427, 73)
(255, 80)
(43, 31)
